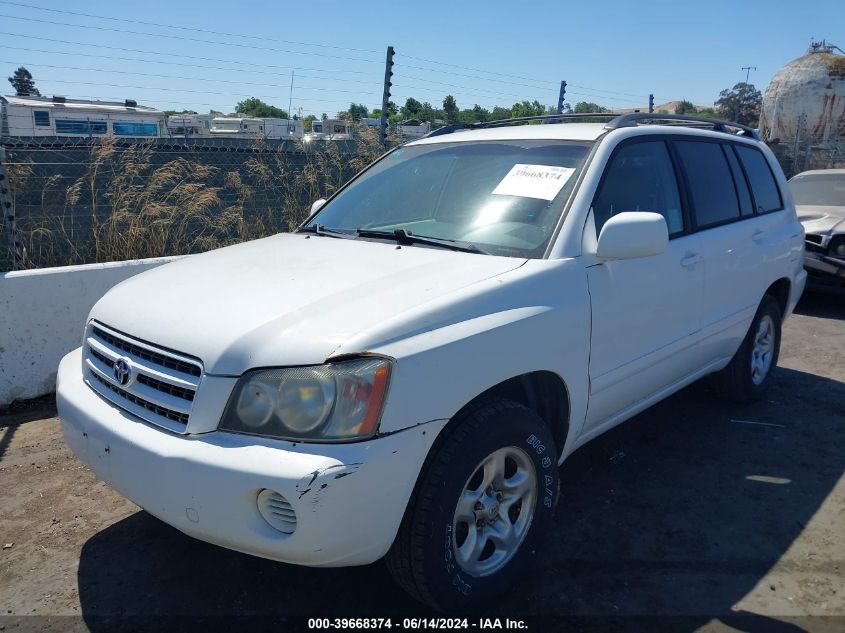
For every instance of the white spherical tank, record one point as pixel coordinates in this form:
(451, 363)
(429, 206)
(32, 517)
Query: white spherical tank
(805, 100)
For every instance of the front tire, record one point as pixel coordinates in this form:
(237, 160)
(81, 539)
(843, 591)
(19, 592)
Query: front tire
(481, 508)
(748, 375)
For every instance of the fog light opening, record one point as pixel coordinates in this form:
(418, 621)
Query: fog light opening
(276, 511)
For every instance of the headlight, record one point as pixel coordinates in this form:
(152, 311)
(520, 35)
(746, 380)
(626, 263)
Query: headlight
(335, 402)
(840, 250)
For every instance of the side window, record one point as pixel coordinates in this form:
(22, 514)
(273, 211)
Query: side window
(640, 177)
(711, 186)
(746, 205)
(42, 118)
(766, 193)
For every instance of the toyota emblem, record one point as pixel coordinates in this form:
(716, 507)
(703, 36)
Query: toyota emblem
(122, 371)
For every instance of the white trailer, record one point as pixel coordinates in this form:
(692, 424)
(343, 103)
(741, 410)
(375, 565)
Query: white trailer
(58, 116)
(251, 127)
(330, 130)
(189, 125)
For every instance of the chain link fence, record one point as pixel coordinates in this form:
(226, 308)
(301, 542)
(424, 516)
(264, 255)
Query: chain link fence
(77, 201)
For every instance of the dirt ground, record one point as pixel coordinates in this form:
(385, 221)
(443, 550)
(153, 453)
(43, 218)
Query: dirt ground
(695, 508)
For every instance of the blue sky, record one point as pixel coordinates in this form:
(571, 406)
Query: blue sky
(491, 53)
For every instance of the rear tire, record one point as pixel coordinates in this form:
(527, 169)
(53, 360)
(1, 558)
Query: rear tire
(481, 508)
(748, 375)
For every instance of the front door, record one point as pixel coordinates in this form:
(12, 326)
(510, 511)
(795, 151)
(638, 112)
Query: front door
(645, 311)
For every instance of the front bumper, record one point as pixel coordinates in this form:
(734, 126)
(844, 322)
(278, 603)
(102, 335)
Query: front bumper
(349, 498)
(824, 272)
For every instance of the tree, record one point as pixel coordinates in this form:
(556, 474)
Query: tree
(307, 121)
(685, 107)
(257, 108)
(23, 83)
(476, 114)
(528, 108)
(450, 107)
(412, 109)
(500, 113)
(588, 106)
(741, 104)
(358, 111)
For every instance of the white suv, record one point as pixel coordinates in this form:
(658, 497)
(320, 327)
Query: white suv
(404, 374)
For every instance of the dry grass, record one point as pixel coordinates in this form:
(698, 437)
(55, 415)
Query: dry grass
(133, 202)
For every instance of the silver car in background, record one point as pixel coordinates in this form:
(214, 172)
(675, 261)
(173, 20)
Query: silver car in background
(820, 201)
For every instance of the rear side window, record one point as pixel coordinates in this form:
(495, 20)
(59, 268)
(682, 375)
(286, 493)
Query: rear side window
(711, 186)
(640, 177)
(746, 205)
(763, 185)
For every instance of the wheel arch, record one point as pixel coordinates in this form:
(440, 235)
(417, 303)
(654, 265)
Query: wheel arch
(780, 291)
(544, 392)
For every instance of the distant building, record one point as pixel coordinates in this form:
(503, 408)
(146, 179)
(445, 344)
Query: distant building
(59, 116)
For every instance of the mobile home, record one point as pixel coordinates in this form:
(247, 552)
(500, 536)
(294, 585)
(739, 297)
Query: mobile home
(189, 125)
(251, 127)
(330, 130)
(58, 116)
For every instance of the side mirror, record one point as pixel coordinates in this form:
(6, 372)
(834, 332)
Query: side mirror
(317, 205)
(633, 234)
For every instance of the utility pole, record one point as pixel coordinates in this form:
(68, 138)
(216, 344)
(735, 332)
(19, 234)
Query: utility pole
(385, 98)
(290, 101)
(748, 70)
(561, 96)
(650, 103)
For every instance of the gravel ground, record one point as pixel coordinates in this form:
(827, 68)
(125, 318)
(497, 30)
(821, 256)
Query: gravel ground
(695, 508)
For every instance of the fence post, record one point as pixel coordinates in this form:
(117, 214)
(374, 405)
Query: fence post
(385, 99)
(16, 250)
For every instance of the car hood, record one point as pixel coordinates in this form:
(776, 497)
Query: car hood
(821, 219)
(289, 299)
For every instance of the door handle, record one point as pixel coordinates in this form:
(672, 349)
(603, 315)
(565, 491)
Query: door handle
(690, 260)
(758, 235)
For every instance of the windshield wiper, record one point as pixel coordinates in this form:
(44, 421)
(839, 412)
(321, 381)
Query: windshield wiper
(404, 236)
(319, 229)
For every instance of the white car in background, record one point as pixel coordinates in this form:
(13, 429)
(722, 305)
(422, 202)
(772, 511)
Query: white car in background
(404, 374)
(819, 197)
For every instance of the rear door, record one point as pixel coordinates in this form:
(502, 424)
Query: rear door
(733, 226)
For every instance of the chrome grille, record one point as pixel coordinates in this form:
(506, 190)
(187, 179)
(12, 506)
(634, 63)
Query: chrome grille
(155, 384)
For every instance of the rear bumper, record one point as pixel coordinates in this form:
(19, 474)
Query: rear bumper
(349, 498)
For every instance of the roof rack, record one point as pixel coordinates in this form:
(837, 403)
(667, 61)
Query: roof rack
(634, 118)
(615, 121)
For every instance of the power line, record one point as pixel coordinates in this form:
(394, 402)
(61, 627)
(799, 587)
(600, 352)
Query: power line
(202, 92)
(125, 72)
(170, 62)
(187, 28)
(182, 38)
(194, 78)
(195, 103)
(297, 43)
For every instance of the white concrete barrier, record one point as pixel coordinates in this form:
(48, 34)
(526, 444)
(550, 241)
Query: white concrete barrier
(42, 316)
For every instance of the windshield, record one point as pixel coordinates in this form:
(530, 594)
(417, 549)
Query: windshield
(819, 189)
(505, 196)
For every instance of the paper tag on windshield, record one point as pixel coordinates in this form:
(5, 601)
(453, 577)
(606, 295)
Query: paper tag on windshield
(534, 181)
